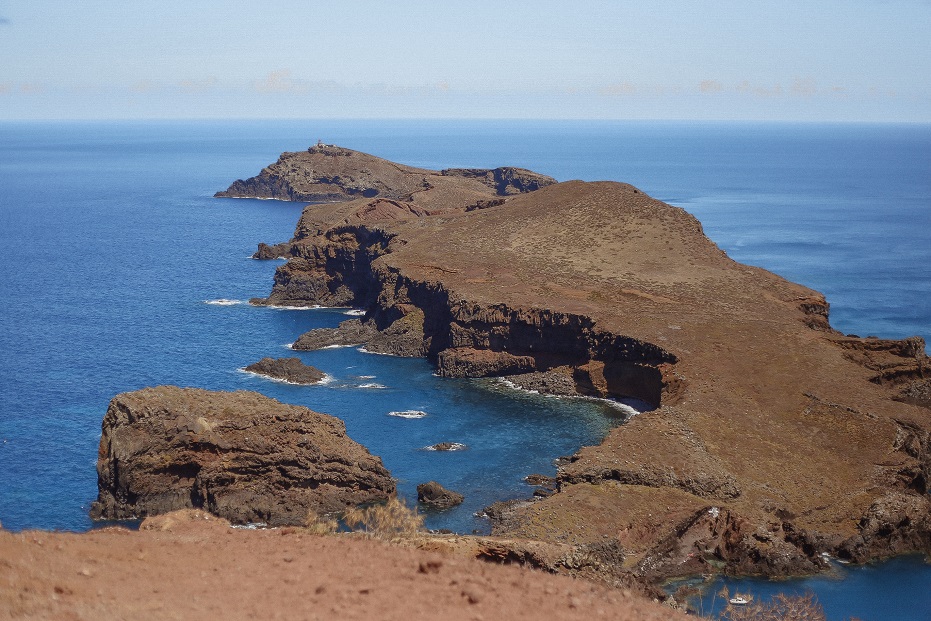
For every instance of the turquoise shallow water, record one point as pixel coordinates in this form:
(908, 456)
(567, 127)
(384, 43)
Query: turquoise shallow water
(111, 244)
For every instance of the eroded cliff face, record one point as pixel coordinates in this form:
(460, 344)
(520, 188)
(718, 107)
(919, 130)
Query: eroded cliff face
(241, 456)
(462, 338)
(773, 438)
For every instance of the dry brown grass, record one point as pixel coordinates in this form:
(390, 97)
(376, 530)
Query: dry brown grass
(390, 521)
(320, 525)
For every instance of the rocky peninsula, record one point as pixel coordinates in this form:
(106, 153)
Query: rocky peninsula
(772, 438)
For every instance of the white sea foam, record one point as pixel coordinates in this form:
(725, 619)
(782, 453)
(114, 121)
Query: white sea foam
(224, 302)
(626, 408)
(454, 446)
(366, 377)
(514, 386)
(335, 346)
(375, 353)
(372, 385)
(251, 526)
(355, 312)
(408, 414)
(298, 308)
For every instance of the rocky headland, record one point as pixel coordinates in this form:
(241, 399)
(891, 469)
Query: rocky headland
(772, 438)
(241, 456)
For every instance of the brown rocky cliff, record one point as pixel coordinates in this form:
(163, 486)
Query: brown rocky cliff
(241, 456)
(763, 411)
(328, 173)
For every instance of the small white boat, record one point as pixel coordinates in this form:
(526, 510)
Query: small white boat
(739, 600)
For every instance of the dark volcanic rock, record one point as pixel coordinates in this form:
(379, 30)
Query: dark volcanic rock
(468, 362)
(557, 381)
(288, 369)
(435, 495)
(403, 337)
(505, 180)
(895, 524)
(539, 479)
(266, 252)
(447, 446)
(350, 332)
(241, 456)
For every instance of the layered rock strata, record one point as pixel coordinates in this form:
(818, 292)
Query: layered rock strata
(240, 456)
(772, 439)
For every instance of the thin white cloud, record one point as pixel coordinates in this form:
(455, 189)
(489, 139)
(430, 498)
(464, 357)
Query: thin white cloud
(198, 87)
(280, 82)
(804, 87)
(618, 89)
(144, 86)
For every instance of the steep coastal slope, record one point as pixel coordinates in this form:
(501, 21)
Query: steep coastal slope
(773, 438)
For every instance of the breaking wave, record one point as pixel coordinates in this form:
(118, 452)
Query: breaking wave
(451, 446)
(224, 302)
(408, 414)
(327, 379)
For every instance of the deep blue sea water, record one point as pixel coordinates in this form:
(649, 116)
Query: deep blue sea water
(111, 244)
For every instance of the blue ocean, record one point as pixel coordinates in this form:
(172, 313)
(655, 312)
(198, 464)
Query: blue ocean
(118, 270)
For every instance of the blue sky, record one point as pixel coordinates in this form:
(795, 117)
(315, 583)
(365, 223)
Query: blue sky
(813, 60)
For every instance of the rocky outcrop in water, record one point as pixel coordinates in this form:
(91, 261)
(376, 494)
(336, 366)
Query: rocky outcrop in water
(240, 456)
(438, 497)
(761, 411)
(349, 333)
(288, 370)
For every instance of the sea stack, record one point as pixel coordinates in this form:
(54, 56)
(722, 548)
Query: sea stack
(241, 456)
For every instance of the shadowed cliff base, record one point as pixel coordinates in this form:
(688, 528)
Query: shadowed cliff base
(774, 439)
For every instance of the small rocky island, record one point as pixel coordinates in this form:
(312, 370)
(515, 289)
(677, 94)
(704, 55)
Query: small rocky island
(773, 439)
(287, 369)
(241, 456)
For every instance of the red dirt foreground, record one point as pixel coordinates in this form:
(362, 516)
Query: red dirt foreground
(191, 565)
